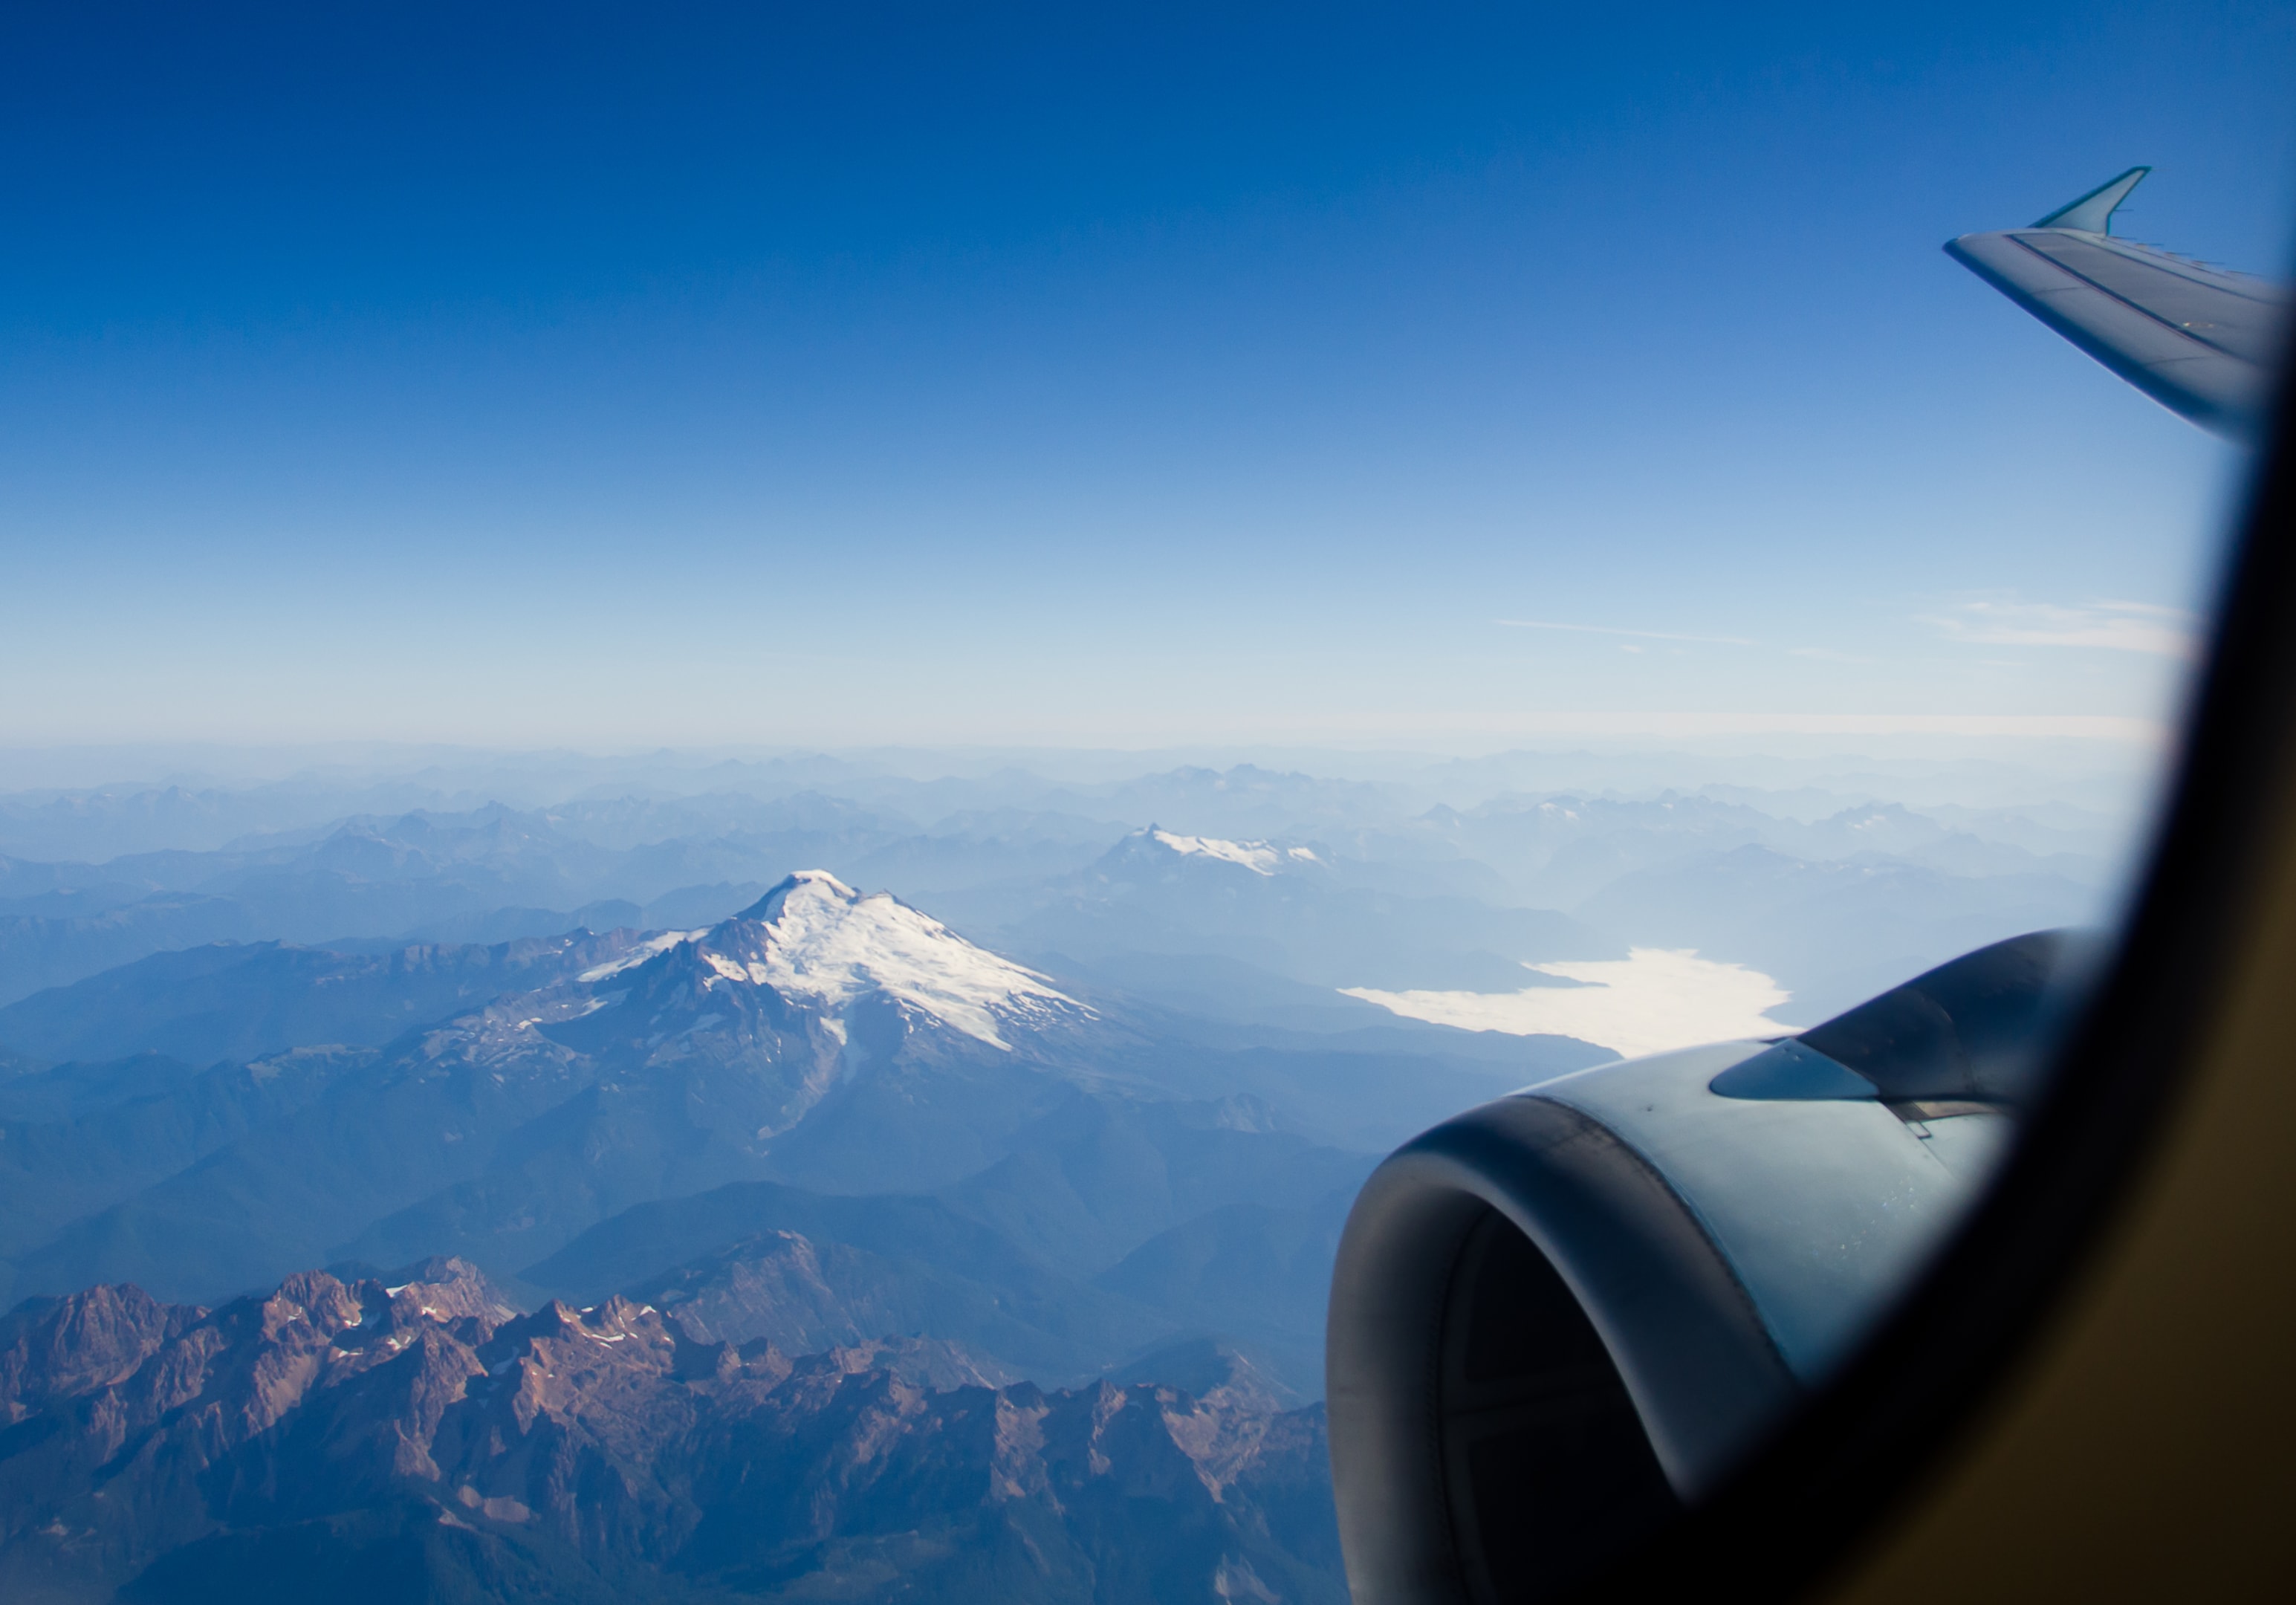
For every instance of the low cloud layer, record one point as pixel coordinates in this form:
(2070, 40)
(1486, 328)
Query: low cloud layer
(1651, 1000)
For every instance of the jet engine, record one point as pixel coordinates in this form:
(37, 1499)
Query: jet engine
(1561, 1318)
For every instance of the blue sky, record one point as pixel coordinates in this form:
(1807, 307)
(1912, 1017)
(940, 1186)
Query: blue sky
(1135, 375)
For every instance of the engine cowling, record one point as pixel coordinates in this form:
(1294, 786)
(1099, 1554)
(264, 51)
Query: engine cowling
(1561, 1318)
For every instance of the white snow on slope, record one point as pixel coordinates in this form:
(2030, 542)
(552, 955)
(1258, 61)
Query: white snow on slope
(1257, 856)
(639, 954)
(1650, 1000)
(828, 944)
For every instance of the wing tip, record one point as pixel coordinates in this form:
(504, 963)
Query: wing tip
(2092, 212)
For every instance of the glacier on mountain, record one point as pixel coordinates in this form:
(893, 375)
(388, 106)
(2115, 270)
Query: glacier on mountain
(826, 944)
(661, 942)
(1258, 856)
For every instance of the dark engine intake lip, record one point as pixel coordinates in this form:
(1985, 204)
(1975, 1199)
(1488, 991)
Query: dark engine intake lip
(1413, 1460)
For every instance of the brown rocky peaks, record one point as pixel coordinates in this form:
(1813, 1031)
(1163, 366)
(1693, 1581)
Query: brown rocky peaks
(316, 1299)
(55, 1349)
(388, 1418)
(1212, 1371)
(843, 1380)
(290, 1348)
(1153, 1440)
(447, 1291)
(1016, 1462)
(1121, 1434)
(933, 1363)
(237, 1372)
(582, 1338)
(760, 1363)
(1216, 1406)
(1219, 1439)
(609, 1374)
(770, 1286)
(331, 1410)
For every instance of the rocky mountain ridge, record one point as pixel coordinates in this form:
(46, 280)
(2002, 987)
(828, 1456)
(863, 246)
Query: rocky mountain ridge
(360, 1440)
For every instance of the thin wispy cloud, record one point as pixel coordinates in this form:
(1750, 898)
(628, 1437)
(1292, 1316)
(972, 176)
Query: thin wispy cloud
(2119, 627)
(1604, 629)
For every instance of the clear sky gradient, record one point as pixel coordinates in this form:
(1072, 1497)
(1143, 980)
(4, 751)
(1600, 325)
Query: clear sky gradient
(1100, 375)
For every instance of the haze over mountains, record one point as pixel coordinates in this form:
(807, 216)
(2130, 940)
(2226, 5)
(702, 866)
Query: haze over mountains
(93, 878)
(1038, 1091)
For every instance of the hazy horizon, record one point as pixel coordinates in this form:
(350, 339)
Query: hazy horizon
(1928, 766)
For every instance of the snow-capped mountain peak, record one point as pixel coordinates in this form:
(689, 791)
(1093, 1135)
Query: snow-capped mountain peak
(825, 944)
(1258, 856)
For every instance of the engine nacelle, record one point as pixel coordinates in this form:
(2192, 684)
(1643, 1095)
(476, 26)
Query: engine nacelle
(1559, 1319)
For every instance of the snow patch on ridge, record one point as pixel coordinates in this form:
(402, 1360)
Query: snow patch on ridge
(827, 943)
(1257, 856)
(639, 954)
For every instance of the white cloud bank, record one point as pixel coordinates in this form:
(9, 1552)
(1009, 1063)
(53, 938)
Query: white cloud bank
(1650, 1000)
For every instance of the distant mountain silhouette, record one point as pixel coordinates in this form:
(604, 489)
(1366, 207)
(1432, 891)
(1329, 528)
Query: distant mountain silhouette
(1280, 907)
(245, 1000)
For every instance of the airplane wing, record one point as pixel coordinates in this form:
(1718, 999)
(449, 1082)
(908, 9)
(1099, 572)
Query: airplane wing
(2200, 340)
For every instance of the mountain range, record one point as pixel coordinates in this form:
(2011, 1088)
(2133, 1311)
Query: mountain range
(1057, 1178)
(766, 1238)
(364, 1440)
(1445, 897)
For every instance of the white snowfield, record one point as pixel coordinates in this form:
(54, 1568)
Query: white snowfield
(1258, 856)
(827, 945)
(1651, 1000)
(639, 954)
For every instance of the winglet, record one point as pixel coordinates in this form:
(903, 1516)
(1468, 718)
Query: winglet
(2094, 211)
